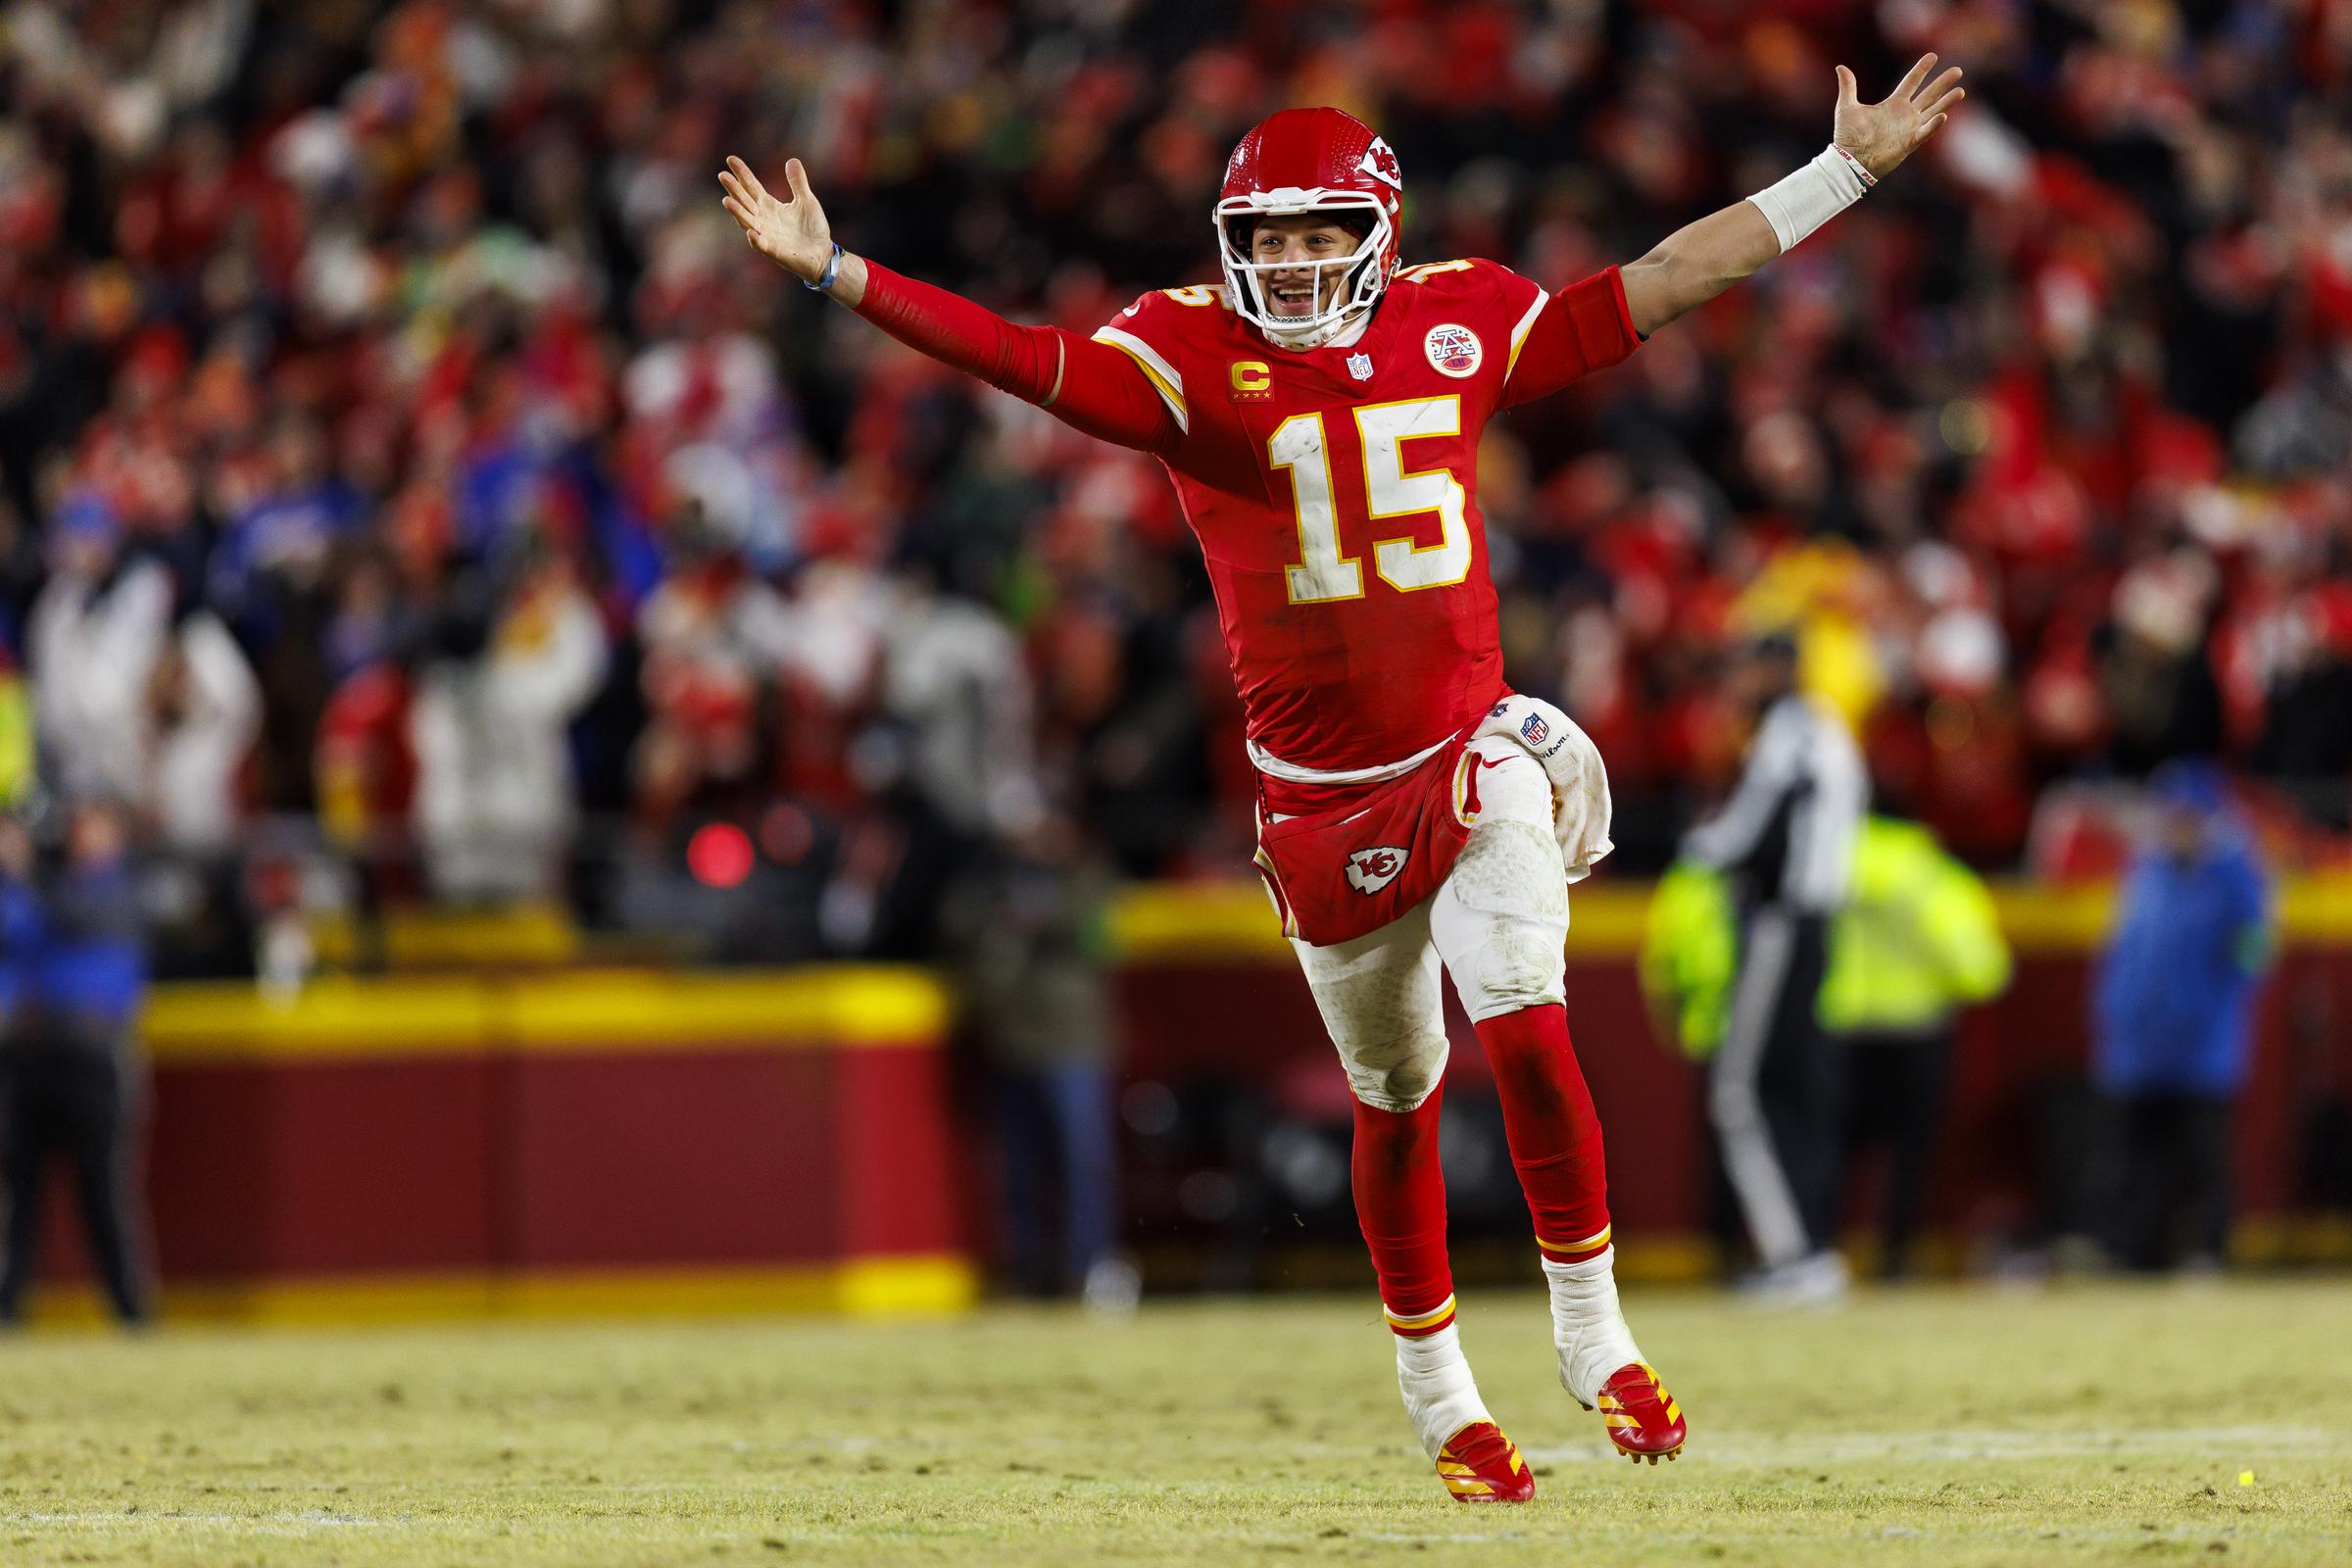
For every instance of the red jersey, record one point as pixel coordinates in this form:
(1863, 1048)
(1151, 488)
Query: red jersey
(1333, 491)
(1334, 495)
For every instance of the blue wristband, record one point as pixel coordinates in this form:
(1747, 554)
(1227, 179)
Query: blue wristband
(825, 279)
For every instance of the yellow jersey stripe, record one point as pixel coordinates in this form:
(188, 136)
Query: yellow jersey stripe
(1162, 374)
(1519, 334)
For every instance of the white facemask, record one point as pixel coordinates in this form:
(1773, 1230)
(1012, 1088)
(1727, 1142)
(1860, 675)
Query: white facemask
(1362, 270)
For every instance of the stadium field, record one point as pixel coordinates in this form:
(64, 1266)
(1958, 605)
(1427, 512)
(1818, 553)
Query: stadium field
(1934, 1426)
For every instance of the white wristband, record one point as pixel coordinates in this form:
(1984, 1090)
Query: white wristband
(1816, 193)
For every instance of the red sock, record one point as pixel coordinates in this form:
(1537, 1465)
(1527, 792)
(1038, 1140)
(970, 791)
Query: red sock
(1554, 1133)
(1400, 1203)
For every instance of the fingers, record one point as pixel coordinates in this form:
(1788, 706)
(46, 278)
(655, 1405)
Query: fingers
(1944, 105)
(753, 193)
(1931, 129)
(1940, 85)
(796, 177)
(1914, 76)
(1845, 88)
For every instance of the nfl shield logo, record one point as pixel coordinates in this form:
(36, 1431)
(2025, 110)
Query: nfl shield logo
(1359, 366)
(1535, 731)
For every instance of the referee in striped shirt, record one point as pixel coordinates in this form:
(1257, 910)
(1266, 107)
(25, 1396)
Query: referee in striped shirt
(1785, 841)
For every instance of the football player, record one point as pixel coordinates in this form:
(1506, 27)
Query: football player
(1319, 415)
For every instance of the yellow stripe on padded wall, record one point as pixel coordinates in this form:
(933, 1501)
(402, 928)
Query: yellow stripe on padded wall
(565, 1012)
(1160, 922)
(914, 1285)
(234, 1021)
(847, 1005)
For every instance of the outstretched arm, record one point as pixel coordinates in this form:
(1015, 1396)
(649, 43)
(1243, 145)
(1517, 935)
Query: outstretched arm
(1867, 141)
(1089, 385)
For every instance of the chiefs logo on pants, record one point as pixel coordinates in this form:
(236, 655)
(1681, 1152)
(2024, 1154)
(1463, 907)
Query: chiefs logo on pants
(1370, 870)
(1331, 886)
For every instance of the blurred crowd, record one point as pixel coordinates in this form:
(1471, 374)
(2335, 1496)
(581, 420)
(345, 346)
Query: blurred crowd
(395, 436)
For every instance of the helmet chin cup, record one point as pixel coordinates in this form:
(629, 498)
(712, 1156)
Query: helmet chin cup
(1299, 339)
(1364, 271)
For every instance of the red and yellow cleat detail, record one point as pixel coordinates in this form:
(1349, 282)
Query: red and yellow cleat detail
(1479, 1464)
(1642, 1418)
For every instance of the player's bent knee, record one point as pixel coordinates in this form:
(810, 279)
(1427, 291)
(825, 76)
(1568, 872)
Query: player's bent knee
(1502, 920)
(1397, 1076)
(1512, 978)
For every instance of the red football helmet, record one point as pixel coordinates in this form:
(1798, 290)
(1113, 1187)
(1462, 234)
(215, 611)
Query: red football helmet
(1310, 161)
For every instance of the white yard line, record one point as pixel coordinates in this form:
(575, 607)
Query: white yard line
(1996, 1443)
(263, 1524)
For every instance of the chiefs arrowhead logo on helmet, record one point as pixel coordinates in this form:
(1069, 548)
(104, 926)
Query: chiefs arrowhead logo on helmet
(1381, 163)
(1370, 870)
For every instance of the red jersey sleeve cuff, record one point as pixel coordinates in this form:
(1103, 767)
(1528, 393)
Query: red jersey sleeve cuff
(1600, 322)
(1625, 312)
(884, 294)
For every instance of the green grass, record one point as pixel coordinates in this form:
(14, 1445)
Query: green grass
(2091, 1424)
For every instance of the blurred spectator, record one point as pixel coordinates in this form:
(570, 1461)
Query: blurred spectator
(98, 631)
(713, 636)
(1784, 842)
(2172, 1001)
(958, 737)
(78, 971)
(956, 688)
(1030, 931)
(491, 719)
(1917, 941)
(1690, 958)
(205, 710)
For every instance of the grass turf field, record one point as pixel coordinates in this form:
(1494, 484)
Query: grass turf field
(2086, 1424)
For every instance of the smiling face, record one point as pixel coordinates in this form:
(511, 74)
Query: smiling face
(1316, 244)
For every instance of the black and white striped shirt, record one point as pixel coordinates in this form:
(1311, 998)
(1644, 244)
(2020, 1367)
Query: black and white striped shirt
(1787, 834)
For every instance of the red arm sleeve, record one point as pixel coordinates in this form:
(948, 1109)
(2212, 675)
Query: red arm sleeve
(1584, 327)
(1090, 387)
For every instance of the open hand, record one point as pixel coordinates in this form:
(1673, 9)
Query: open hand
(792, 233)
(1882, 135)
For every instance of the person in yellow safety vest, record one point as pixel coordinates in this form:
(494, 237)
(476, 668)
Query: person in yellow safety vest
(1918, 941)
(1690, 957)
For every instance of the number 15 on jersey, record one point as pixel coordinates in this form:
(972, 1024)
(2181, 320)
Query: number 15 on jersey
(1392, 491)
